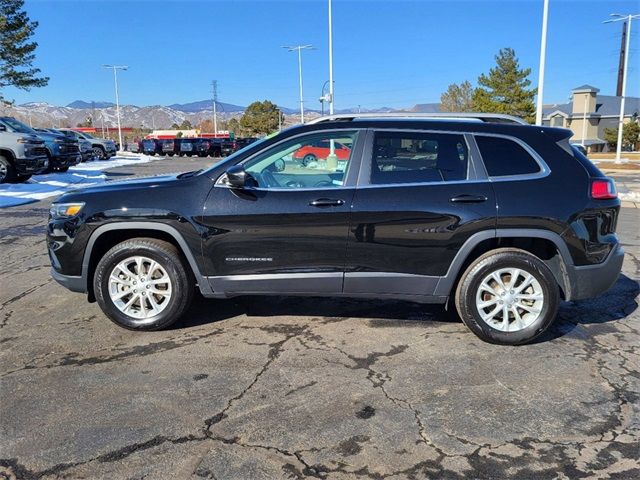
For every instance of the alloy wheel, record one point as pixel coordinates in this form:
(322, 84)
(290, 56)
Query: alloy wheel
(140, 287)
(509, 299)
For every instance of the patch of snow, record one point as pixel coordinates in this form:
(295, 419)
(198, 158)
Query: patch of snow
(55, 184)
(629, 196)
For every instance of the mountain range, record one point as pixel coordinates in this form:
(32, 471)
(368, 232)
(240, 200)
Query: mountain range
(42, 114)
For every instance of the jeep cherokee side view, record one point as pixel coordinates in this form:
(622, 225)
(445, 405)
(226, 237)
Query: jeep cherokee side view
(493, 218)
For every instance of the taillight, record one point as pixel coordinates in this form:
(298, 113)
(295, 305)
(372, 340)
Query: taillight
(603, 189)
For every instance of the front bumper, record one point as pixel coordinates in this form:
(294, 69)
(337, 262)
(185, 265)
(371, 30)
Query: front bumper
(75, 284)
(66, 160)
(31, 165)
(589, 281)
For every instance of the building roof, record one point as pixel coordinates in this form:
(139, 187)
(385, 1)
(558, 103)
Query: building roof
(586, 88)
(606, 105)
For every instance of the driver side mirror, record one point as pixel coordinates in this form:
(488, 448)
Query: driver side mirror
(237, 177)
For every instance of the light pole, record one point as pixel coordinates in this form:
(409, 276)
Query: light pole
(332, 159)
(543, 50)
(330, 60)
(299, 48)
(617, 18)
(115, 79)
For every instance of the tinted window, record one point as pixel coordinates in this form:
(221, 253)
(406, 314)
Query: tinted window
(503, 157)
(418, 157)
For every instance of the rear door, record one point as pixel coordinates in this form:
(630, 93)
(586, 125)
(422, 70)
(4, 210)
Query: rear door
(420, 196)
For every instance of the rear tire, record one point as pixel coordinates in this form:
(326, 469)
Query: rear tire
(159, 286)
(512, 282)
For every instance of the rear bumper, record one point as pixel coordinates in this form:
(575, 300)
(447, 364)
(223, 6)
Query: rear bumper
(592, 280)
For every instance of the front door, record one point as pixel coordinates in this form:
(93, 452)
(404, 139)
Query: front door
(420, 196)
(287, 232)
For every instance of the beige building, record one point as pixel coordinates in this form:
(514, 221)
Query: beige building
(589, 114)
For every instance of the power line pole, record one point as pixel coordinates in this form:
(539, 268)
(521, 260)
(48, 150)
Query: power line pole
(214, 86)
(543, 51)
(621, 62)
(616, 18)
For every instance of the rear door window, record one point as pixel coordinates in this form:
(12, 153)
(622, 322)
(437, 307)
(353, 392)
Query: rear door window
(416, 157)
(504, 157)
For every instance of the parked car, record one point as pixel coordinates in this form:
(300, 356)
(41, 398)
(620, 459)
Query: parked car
(420, 225)
(168, 147)
(86, 149)
(227, 146)
(320, 151)
(208, 147)
(63, 151)
(151, 146)
(22, 153)
(185, 146)
(103, 149)
(244, 141)
(580, 148)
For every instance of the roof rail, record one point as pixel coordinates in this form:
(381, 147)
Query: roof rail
(477, 117)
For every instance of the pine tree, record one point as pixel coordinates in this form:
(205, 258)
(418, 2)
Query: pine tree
(505, 88)
(260, 118)
(457, 98)
(17, 52)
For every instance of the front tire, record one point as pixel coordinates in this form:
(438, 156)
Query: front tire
(507, 297)
(7, 171)
(99, 153)
(307, 159)
(143, 284)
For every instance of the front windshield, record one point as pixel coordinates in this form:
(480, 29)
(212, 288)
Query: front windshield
(17, 126)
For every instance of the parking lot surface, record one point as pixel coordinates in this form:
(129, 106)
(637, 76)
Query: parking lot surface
(272, 387)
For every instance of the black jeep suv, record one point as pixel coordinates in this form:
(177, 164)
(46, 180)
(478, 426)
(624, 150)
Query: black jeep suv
(495, 219)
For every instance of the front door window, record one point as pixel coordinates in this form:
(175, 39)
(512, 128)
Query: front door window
(319, 160)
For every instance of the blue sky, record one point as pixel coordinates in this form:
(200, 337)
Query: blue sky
(387, 53)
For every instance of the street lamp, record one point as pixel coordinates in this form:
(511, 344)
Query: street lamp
(299, 48)
(543, 50)
(617, 18)
(115, 78)
(330, 60)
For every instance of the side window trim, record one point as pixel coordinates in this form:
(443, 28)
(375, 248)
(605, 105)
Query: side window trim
(544, 168)
(351, 177)
(475, 173)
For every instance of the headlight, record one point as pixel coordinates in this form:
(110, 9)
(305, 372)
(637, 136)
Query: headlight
(65, 210)
(59, 140)
(24, 140)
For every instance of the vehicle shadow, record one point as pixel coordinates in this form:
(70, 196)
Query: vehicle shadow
(619, 302)
(385, 313)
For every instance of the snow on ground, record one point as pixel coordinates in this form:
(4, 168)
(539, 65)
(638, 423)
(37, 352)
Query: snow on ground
(55, 184)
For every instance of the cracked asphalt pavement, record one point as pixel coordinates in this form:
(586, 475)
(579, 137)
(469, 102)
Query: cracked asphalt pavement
(253, 388)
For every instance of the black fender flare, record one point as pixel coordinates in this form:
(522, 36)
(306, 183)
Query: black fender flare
(446, 283)
(155, 226)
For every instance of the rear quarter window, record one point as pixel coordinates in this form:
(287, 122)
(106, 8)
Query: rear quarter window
(504, 157)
